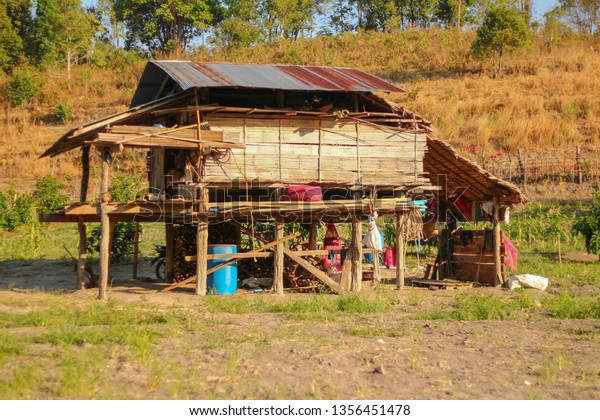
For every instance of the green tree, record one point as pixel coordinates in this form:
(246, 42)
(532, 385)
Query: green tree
(589, 225)
(241, 26)
(24, 85)
(15, 25)
(583, 14)
(48, 194)
(165, 25)
(503, 30)
(62, 31)
(455, 12)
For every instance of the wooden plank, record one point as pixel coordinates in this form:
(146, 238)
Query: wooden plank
(278, 260)
(356, 256)
(85, 173)
(82, 254)
(346, 276)
(105, 225)
(218, 267)
(136, 248)
(321, 276)
(110, 139)
(239, 255)
(202, 244)
(400, 219)
(499, 279)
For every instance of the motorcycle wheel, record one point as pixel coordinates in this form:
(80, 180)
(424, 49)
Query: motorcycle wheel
(161, 270)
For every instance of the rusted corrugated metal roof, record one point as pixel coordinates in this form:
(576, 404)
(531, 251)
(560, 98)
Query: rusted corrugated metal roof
(279, 77)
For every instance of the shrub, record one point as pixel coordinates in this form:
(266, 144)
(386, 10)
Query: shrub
(64, 113)
(48, 194)
(16, 209)
(124, 188)
(122, 241)
(589, 225)
(24, 86)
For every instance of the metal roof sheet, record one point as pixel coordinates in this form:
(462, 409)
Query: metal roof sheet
(258, 76)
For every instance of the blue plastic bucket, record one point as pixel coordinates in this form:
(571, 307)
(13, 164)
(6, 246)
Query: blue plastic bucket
(369, 256)
(224, 280)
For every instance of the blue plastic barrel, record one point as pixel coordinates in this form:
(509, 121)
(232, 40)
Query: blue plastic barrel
(369, 256)
(224, 280)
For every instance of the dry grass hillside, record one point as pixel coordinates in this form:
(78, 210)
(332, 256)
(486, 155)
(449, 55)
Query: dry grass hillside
(548, 97)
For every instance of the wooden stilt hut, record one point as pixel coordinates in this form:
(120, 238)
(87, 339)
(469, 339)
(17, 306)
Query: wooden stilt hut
(224, 142)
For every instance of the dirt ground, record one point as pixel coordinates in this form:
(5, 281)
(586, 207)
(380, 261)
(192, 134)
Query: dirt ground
(282, 357)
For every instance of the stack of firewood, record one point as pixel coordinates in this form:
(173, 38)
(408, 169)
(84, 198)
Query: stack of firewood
(185, 244)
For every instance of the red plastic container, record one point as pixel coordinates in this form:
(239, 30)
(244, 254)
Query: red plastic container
(303, 193)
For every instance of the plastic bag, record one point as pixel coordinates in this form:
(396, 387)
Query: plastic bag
(372, 238)
(527, 280)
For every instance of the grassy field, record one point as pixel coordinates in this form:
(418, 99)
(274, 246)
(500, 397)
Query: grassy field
(428, 344)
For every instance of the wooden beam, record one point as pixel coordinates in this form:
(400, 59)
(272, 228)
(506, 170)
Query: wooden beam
(239, 255)
(82, 254)
(218, 267)
(356, 255)
(85, 173)
(278, 259)
(312, 236)
(400, 250)
(105, 224)
(136, 248)
(498, 279)
(170, 252)
(202, 244)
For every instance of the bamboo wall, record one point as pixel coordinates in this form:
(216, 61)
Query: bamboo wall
(300, 151)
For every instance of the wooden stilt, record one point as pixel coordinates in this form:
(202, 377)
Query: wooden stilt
(85, 173)
(136, 248)
(202, 244)
(82, 254)
(278, 259)
(312, 236)
(105, 224)
(169, 252)
(400, 219)
(356, 256)
(499, 279)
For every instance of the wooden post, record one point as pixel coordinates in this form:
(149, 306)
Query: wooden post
(356, 255)
(278, 259)
(400, 218)
(136, 248)
(169, 252)
(202, 244)
(498, 279)
(312, 236)
(522, 167)
(104, 223)
(82, 254)
(85, 173)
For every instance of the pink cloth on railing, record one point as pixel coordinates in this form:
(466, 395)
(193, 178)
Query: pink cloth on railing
(332, 241)
(389, 256)
(511, 256)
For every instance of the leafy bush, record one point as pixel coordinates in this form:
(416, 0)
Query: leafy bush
(16, 209)
(24, 86)
(122, 242)
(64, 113)
(48, 194)
(124, 188)
(589, 225)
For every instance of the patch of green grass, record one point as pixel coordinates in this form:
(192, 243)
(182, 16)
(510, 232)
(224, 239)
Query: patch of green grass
(571, 273)
(20, 383)
(317, 306)
(566, 305)
(367, 332)
(479, 306)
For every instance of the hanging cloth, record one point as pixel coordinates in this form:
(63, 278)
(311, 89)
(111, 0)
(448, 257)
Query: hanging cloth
(372, 239)
(511, 258)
